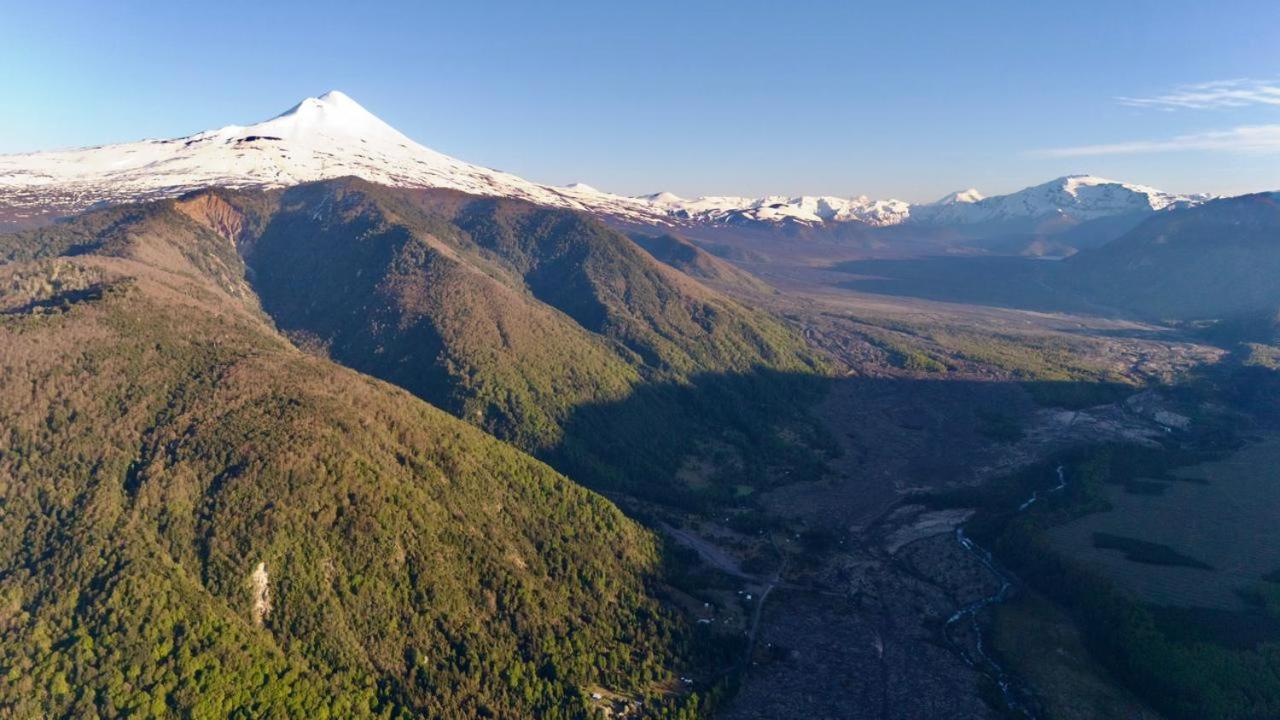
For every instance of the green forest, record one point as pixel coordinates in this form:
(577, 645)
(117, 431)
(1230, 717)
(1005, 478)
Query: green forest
(198, 519)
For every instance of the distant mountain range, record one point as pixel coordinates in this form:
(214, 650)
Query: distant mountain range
(1211, 267)
(333, 136)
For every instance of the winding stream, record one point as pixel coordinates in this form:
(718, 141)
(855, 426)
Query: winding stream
(1010, 690)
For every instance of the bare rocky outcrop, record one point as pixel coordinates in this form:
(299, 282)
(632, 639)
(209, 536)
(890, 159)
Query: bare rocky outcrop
(261, 593)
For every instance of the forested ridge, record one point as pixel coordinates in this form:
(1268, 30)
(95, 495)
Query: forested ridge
(545, 327)
(198, 519)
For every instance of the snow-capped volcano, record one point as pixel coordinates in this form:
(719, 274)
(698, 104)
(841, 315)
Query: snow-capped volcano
(323, 137)
(333, 136)
(960, 196)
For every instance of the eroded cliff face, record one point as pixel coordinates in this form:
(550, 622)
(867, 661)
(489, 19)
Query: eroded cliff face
(212, 211)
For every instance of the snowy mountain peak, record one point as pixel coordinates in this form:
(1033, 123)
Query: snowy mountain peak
(335, 99)
(338, 97)
(1082, 197)
(663, 198)
(335, 107)
(1091, 191)
(319, 138)
(960, 196)
(332, 115)
(1071, 184)
(582, 187)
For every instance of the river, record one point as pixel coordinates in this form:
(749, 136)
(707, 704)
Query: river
(1011, 691)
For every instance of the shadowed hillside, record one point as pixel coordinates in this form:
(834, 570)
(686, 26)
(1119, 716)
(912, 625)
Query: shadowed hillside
(516, 318)
(692, 260)
(1216, 260)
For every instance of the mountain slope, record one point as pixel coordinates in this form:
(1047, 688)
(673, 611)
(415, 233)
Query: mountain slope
(688, 258)
(402, 298)
(543, 326)
(197, 519)
(1216, 260)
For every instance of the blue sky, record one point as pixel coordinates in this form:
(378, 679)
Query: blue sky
(908, 100)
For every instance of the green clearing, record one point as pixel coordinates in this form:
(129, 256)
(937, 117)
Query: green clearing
(1194, 544)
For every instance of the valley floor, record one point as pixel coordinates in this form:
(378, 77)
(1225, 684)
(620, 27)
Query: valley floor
(856, 626)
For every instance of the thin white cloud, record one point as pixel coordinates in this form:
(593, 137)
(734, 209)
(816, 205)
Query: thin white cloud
(1216, 95)
(1247, 139)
